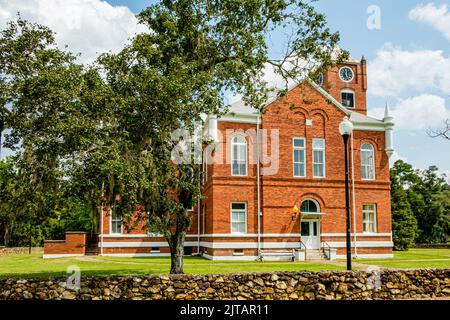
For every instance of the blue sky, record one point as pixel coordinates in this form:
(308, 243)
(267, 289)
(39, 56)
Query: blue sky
(408, 35)
(408, 56)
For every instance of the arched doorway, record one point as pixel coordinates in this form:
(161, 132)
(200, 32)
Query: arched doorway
(310, 223)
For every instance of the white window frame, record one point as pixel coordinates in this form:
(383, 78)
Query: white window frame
(315, 202)
(111, 220)
(354, 98)
(368, 222)
(371, 166)
(239, 144)
(294, 148)
(324, 158)
(231, 217)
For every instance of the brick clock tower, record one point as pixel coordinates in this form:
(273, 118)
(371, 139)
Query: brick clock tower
(347, 83)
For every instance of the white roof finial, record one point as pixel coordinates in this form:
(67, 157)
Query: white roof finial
(388, 119)
(386, 111)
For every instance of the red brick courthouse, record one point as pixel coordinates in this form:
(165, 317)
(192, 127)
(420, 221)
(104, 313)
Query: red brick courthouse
(274, 182)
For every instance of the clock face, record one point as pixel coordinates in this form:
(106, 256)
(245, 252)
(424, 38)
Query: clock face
(320, 79)
(346, 74)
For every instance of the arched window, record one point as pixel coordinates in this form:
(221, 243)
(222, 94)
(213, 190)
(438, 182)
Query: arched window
(348, 98)
(239, 156)
(310, 206)
(367, 162)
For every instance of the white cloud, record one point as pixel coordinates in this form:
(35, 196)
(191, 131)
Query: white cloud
(396, 156)
(437, 17)
(417, 113)
(394, 71)
(89, 27)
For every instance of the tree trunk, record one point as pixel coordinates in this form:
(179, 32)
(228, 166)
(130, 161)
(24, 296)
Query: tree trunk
(177, 252)
(5, 234)
(31, 243)
(8, 232)
(176, 243)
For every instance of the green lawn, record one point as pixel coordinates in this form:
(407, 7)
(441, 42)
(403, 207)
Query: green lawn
(25, 265)
(413, 258)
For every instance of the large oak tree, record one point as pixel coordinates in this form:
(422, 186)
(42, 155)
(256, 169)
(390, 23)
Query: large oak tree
(194, 55)
(108, 129)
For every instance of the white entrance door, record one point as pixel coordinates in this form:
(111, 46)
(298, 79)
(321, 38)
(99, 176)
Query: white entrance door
(310, 231)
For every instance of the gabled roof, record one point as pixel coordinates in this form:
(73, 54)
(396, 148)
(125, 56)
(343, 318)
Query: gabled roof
(361, 121)
(240, 108)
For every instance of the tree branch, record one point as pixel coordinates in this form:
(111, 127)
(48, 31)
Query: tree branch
(443, 133)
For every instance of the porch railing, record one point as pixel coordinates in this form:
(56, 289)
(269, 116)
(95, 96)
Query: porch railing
(326, 246)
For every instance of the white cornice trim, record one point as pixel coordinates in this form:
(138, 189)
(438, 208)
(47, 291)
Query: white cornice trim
(135, 255)
(125, 236)
(368, 127)
(143, 244)
(212, 245)
(239, 118)
(358, 234)
(249, 245)
(249, 235)
(363, 244)
(246, 245)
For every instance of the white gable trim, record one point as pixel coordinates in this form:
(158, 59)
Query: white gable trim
(239, 118)
(368, 127)
(329, 97)
(253, 118)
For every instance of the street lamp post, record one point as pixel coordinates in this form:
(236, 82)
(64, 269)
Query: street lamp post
(346, 129)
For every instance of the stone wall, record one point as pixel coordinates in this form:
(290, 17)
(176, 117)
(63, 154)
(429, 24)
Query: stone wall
(385, 284)
(19, 250)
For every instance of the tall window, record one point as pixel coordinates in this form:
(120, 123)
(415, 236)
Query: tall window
(299, 157)
(367, 162)
(369, 218)
(318, 158)
(116, 222)
(348, 98)
(238, 218)
(239, 156)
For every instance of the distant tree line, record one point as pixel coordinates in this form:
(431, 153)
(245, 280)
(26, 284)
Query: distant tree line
(420, 206)
(19, 224)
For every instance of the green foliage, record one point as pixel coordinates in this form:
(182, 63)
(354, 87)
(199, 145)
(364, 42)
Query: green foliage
(428, 197)
(404, 223)
(45, 112)
(17, 226)
(103, 134)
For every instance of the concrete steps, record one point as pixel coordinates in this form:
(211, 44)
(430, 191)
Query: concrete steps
(315, 255)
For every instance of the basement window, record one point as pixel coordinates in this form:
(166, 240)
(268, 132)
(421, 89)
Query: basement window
(238, 252)
(155, 250)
